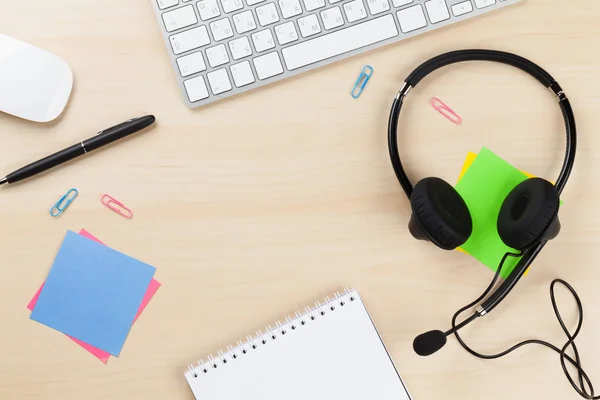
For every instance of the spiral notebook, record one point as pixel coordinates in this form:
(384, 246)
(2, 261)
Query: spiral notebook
(329, 351)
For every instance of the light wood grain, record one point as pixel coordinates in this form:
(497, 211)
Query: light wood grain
(257, 205)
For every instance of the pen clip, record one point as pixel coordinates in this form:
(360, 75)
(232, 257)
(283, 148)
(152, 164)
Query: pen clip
(105, 131)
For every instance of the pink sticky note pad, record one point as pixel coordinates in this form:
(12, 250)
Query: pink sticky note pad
(100, 354)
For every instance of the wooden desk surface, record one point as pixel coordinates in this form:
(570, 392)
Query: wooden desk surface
(258, 205)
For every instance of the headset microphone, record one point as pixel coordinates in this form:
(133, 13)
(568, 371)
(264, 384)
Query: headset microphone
(429, 342)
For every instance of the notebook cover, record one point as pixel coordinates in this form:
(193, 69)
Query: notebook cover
(332, 350)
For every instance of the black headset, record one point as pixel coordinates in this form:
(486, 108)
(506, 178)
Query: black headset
(527, 219)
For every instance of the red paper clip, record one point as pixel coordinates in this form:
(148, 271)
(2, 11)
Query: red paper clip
(116, 206)
(445, 111)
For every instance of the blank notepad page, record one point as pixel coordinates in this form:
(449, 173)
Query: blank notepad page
(332, 351)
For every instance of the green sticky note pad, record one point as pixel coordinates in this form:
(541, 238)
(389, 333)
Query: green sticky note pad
(484, 186)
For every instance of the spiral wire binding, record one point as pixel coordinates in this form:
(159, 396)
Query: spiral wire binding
(260, 339)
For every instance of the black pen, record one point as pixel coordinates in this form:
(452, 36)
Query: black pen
(101, 139)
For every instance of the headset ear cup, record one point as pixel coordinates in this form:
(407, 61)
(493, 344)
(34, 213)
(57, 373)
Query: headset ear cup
(529, 214)
(439, 214)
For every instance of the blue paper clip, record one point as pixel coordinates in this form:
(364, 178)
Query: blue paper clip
(361, 82)
(63, 203)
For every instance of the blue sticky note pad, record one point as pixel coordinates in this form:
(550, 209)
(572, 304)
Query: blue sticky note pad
(93, 293)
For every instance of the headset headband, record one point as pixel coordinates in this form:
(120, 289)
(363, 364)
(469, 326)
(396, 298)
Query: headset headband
(481, 55)
(505, 58)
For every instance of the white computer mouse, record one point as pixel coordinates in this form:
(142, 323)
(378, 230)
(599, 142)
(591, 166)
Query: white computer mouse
(34, 84)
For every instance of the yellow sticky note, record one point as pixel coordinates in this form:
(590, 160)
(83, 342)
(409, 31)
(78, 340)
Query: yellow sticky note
(468, 161)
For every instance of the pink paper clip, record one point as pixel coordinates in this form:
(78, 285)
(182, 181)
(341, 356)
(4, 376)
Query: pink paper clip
(116, 206)
(446, 111)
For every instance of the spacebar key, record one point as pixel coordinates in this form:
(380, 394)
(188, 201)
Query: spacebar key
(339, 42)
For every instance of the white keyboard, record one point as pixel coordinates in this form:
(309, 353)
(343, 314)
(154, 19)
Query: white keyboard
(220, 48)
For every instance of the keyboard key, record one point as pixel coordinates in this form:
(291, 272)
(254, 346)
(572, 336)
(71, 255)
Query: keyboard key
(313, 4)
(437, 10)
(355, 10)
(232, 5)
(217, 55)
(180, 18)
(400, 3)
(286, 33)
(196, 89)
(484, 3)
(339, 42)
(219, 81)
(378, 6)
(164, 4)
(263, 40)
(267, 14)
(309, 25)
(242, 74)
(240, 48)
(462, 8)
(334, 1)
(253, 2)
(244, 22)
(192, 64)
(221, 29)
(268, 65)
(411, 18)
(290, 8)
(208, 9)
(189, 40)
(332, 18)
